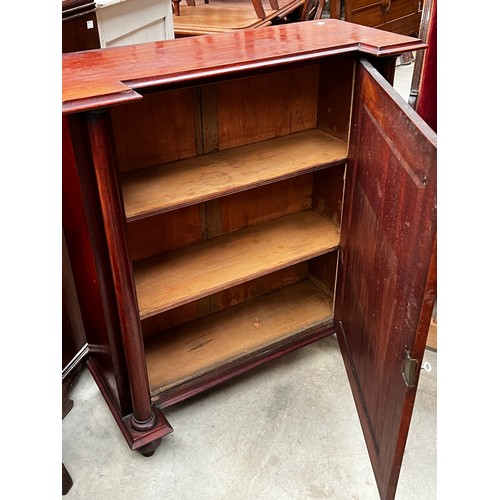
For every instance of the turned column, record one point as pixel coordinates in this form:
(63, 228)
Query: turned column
(104, 162)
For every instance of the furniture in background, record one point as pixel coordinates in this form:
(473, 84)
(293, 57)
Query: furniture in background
(233, 206)
(79, 26)
(423, 91)
(74, 344)
(397, 16)
(423, 97)
(74, 341)
(127, 22)
(218, 16)
(67, 481)
(110, 23)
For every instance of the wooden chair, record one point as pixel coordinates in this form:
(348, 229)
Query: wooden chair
(214, 16)
(313, 9)
(257, 5)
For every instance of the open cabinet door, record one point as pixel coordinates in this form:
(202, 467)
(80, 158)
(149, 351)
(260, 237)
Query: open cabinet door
(387, 268)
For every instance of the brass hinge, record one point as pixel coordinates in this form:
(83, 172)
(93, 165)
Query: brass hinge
(410, 370)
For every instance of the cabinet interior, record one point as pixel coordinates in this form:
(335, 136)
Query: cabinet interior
(233, 198)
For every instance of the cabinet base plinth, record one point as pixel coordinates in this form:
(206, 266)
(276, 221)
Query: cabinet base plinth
(144, 437)
(146, 441)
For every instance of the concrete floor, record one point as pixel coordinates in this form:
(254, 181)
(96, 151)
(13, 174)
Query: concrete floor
(287, 430)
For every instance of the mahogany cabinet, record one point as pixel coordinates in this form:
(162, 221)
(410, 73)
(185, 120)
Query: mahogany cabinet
(240, 195)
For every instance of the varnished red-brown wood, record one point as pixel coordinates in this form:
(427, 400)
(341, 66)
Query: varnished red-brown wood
(93, 201)
(80, 211)
(76, 34)
(386, 283)
(99, 130)
(95, 79)
(397, 16)
(423, 94)
(73, 332)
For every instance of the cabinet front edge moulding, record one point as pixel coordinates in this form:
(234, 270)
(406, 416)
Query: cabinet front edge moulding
(95, 79)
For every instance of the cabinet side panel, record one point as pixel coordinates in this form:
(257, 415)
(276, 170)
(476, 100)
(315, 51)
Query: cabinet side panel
(90, 266)
(335, 96)
(328, 192)
(158, 129)
(266, 106)
(322, 271)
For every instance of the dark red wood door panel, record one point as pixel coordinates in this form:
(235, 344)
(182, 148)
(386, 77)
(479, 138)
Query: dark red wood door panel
(386, 287)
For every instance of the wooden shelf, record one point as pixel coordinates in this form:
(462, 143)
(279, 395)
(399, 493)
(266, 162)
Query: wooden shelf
(197, 271)
(185, 182)
(432, 337)
(202, 346)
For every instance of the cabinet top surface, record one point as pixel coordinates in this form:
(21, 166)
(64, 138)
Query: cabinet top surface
(97, 78)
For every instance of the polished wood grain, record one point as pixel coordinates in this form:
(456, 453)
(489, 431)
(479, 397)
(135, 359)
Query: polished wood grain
(99, 78)
(145, 426)
(387, 264)
(99, 127)
(77, 16)
(397, 16)
(423, 92)
(220, 255)
(87, 254)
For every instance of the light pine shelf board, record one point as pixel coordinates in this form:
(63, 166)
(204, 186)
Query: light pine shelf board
(202, 346)
(432, 337)
(197, 271)
(185, 182)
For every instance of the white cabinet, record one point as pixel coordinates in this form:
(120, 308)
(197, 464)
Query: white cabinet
(127, 22)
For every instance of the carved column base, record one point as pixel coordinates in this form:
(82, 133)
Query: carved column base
(141, 436)
(147, 438)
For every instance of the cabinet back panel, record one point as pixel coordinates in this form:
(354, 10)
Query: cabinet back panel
(266, 203)
(158, 129)
(266, 106)
(183, 227)
(178, 124)
(180, 228)
(165, 232)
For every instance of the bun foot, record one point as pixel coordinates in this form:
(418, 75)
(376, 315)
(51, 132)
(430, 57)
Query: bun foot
(149, 449)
